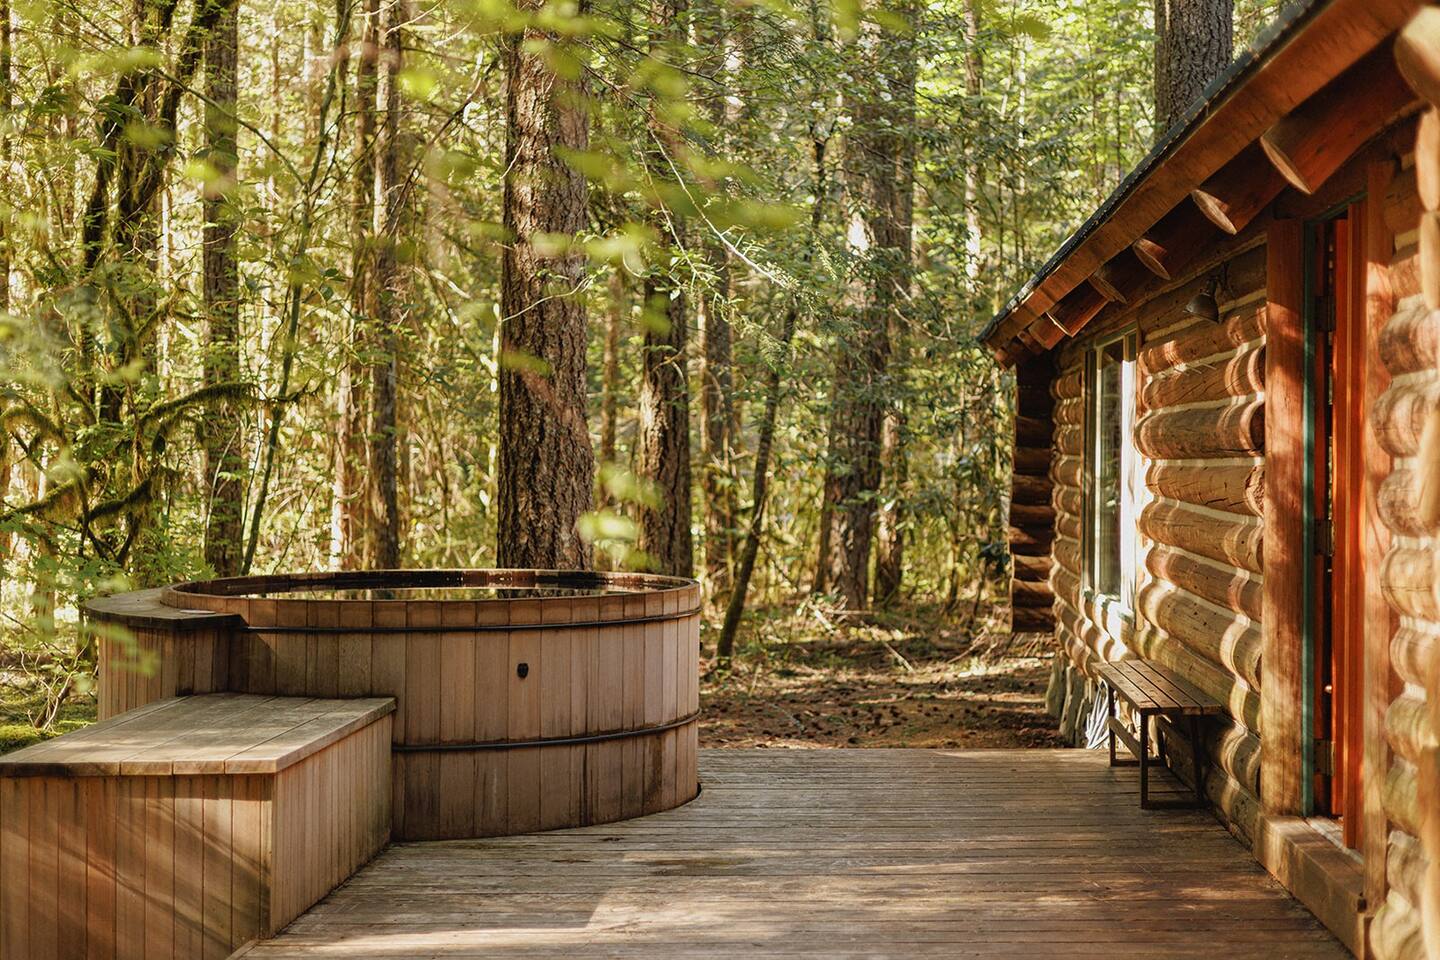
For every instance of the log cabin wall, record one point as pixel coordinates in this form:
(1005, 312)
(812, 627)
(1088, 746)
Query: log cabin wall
(1200, 435)
(1031, 518)
(1404, 421)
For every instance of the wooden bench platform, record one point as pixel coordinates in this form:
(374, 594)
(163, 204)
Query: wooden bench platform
(184, 828)
(1154, 692)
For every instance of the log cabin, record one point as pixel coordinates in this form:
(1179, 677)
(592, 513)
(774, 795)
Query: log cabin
(1227, 456)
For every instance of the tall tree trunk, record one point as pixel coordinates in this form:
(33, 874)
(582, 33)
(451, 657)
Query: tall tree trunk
(6, 103)
(349, 521)
(717, 389)
(615, 314)
(385, 290)
(974, 174)
(547, 466)
(1192, 46)
(871, 172)
(894, 462)
(224, 433)
(664, 389)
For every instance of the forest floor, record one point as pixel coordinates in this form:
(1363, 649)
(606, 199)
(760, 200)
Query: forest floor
(802, 678)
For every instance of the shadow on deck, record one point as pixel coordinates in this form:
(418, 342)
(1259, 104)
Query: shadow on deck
(836, 853)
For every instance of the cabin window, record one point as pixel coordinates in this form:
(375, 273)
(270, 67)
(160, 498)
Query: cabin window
(1110, 471)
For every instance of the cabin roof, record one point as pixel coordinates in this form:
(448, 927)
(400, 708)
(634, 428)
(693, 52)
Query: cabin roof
(1309, 44)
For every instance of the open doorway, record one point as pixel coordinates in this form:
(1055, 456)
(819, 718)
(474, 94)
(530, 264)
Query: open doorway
(1336, 635)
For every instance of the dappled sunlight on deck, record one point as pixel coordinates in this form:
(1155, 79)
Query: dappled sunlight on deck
(836, 853)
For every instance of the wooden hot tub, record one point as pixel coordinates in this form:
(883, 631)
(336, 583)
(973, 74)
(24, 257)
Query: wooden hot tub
(527, 700)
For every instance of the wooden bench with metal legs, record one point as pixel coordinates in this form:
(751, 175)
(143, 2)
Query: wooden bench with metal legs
(1154, 692)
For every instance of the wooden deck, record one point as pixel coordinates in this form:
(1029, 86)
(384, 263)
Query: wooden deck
(834, 854)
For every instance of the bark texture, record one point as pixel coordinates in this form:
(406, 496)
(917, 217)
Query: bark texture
(719, 33)
(547, 466)
(894, 462)
(350, 512)
(1192, 45)
(880, 243)
(665, 534)
(386, 294)
(223, 435)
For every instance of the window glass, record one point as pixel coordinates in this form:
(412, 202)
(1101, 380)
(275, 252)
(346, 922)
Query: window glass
(1112, 467)
(1108, 466)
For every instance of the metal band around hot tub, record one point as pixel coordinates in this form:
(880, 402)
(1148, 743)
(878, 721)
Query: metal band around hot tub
(549, 742)
(478, 627)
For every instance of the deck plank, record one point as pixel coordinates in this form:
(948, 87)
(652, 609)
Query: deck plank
(835, 854)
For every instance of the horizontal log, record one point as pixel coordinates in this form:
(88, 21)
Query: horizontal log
(1400, 796)
(1240, 701)
(1203, 432)
(1032, 432)
(1068, 500)
(1237, 375)
(1030, 568)
(1209, 631)
(1417, 53)
(1427, 159)
(1398, 503)
(1234, 488)
(1412, 652)
(1070, 413)
(1407, 578)
(1069, 386)
(1032, 620)
(1316, 138)
(1070, 441)
(1034, 461)
(1203, 339)
(1227, 587)
(1067, 554)
(1031, 489)
(1068, 525)
(1400, 416)
(1242, 188)
(1407, 727)
(1067, 471)
(1236, 542)
(1405, 271)
(1065, 584)
(1402, 206)
(1031, 515)
(1428, 252)
(1410, 340)
(1027, 593)
(1031, 543)
(1395, 931)
(1405, 865)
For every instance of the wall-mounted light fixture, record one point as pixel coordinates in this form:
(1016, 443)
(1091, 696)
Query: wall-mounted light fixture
(1204, 304)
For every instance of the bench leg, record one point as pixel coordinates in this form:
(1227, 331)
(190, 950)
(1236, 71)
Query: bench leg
(1144, 761)
(1197, 750)
(1110, 715)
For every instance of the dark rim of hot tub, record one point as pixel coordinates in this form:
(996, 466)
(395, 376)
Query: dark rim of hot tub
(577, 740)
(678, 597)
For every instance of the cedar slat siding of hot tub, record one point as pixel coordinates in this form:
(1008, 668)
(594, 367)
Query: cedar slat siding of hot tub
(481, 686)
(149, 651)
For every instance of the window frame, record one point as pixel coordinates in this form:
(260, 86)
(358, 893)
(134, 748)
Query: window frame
(1121, 603)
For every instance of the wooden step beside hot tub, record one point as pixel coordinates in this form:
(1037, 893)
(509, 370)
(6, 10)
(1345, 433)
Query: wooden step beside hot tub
(526, 700)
